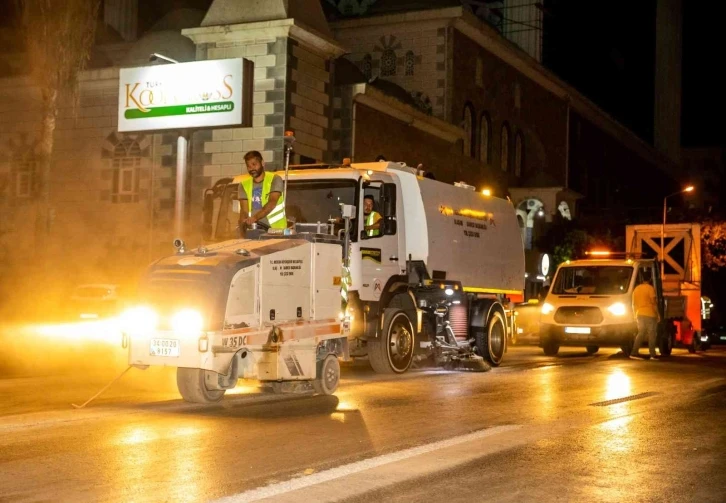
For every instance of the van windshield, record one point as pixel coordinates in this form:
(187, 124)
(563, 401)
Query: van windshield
(592, 280)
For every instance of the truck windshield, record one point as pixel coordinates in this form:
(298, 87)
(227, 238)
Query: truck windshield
(593, 280)
(312, 201)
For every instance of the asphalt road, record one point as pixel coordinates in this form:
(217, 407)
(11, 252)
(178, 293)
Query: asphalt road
(570, 428)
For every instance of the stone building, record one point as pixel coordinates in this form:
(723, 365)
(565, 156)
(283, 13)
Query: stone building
(433, 83)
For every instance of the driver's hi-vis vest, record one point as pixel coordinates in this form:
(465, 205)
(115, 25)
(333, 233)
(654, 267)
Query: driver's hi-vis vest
(371, 219)
(276, 217)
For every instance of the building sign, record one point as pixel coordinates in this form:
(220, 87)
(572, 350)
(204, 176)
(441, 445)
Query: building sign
(186, 95)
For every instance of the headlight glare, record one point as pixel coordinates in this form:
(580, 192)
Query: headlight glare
(139, 320)
(547, 308)
(618, 309)
(187, 322)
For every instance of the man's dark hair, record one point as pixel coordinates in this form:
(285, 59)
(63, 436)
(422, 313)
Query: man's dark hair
(380, 158)
(253, 154)
(368, 196)
(646, 277)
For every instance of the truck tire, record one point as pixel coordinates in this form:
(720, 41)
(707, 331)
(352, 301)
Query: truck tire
(328, 376)
(392, 352)
(493, 343)
(591, 350)
(550, 348)
(192, 387)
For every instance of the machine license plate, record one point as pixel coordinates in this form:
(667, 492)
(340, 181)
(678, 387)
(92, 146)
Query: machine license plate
(577, 330)
(164, 347)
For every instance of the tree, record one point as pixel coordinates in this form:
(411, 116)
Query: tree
(713, 244)
(59, 35)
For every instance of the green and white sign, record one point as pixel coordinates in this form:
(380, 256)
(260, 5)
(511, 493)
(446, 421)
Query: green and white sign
(185, 95)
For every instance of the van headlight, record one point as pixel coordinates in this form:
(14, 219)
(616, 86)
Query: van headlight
(187, 322)
(547, 308)
(618, 309)
(139, 321)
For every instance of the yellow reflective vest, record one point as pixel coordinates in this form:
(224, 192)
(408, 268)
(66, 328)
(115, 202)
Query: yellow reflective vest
(371, 219)
(276, 217)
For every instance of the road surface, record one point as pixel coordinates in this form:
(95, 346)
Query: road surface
(569, 428)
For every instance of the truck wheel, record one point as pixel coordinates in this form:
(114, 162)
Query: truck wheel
(665, 344)
(192, 387)
(591, 350)
(492, 343)
(328, 376)
(550, 348)
(392, 352)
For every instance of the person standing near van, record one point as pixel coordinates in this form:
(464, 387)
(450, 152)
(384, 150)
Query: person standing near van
(263, 193)
(645, 308)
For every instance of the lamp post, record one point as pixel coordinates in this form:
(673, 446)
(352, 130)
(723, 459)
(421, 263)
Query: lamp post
(662, 230)
(182, 152)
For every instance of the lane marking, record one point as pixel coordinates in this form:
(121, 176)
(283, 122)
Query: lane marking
(280, 488)
(624, 399)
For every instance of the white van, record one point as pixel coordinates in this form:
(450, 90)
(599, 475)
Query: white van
(590, 303)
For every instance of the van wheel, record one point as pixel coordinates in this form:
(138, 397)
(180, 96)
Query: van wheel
(591, 350)
(328, 376)
(665, 345)
(627, 348)
(550, 348)
(493, 343)
(192, 387)
(392, 352)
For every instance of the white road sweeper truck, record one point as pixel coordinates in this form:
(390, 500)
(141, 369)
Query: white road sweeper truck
(435, 282)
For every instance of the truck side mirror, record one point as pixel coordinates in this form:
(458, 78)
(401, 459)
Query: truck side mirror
(388, 200)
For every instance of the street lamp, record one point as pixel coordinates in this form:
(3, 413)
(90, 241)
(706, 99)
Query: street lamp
(662, 230)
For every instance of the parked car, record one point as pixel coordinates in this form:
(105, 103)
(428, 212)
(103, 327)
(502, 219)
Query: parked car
(94, 301)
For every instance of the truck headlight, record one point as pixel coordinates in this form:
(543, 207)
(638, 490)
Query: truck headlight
(187, 322)
(618, 309)
(139, 321)
(547, 308)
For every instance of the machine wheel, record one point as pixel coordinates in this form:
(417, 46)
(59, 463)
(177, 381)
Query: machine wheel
(392, 352)
(192, 387)
(493, 343)
(591, 350)
(550, 348)
(328, 376)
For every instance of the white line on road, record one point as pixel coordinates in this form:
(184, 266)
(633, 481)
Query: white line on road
(278, 489)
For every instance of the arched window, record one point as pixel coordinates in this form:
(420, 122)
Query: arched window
(485, 136)
(518, 154)
(388, 63)
(504, 148)
(469, 138)
(126, 162)
(367, 66)
(410, 61)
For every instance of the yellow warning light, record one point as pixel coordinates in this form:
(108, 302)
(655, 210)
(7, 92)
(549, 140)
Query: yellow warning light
(486, 192)
(598, 253)
(289, 133)
(442, 286)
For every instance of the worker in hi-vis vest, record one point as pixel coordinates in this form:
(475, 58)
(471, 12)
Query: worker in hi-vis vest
(372, 221)
(263, 193)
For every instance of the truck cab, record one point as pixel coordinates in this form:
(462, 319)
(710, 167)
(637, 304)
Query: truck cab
(590, 303)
